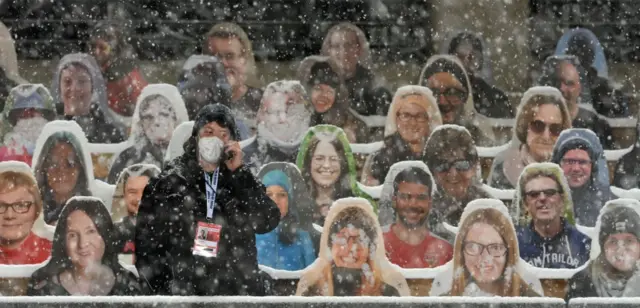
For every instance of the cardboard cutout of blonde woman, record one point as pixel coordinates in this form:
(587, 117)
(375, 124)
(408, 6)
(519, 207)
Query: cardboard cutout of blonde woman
(486, 260)
(352, 260)
(282, 121)
(614, 266)
(413, 116)
(328, 167)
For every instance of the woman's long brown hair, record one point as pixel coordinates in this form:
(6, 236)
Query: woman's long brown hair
(511, 286)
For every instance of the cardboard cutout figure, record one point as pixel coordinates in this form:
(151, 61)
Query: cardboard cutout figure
(351, 261)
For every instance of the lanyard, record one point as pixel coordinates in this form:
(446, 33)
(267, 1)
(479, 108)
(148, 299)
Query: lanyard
(212, 186)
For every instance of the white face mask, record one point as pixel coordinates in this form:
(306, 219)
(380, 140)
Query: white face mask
(210, 149)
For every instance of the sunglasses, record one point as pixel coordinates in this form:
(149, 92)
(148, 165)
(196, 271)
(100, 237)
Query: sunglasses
(459, 165)
(451, 95)
(534, 194)
(538, 127)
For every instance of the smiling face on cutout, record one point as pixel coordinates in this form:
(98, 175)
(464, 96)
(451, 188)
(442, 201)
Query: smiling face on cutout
(484, 253)
(325, 164)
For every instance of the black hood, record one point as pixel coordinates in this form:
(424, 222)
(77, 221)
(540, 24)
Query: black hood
(218, 113)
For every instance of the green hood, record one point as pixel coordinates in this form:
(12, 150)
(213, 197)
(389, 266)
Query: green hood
(347, 184)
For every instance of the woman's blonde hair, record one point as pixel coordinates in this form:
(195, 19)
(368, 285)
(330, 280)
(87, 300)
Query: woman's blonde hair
(494, 218)
(528, 109)
(12, 180)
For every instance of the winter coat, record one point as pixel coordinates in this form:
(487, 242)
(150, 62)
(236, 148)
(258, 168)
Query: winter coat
(141, 149)
(174, 203)
(627, 171)
(100, 125)
(446, 209)
(286, 247)
(318, 279)
(395, 149)
(489, 100)
(477, 124)
(589, 199)
(125, 80)
(606, 98)
(19, 143)
(282, 121)
(568, 249)
(599, 277)
(203, 73)
(367, 93)
(590, 120)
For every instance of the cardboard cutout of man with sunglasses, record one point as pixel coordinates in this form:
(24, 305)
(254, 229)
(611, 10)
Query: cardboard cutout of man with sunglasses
(549, 240)
(408, 241)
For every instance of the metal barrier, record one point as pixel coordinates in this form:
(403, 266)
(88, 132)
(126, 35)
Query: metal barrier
(607, 302)
(280, 302)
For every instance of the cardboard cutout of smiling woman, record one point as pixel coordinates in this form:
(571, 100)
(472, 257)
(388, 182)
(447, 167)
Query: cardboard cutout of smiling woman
(327, 164)
(352, 260)
(84, 259)
(486, 259)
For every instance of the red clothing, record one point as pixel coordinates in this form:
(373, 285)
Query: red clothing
(432, 252)
(34, 250)
(123, 93)
(9, 153)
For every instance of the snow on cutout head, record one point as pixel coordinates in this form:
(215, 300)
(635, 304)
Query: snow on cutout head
(285, 112)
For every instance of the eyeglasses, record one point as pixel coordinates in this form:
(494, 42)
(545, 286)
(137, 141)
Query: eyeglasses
(476, 249)
(538, 127)
(451, 95)
(64, 164)
(534, 194)
(573, 162)
(407, 197)
(406, 117)
(459, 165)
(19, 207)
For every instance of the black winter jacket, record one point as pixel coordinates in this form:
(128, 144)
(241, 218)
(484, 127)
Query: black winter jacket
(171, 207)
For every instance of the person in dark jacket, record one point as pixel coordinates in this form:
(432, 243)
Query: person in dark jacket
(613, 270)
(607, 98)
(206, 191)
(489, 100)
(84, 259)
(116, 58)
(549, 240)
(202, 80)
(80, 94)
(565, 73)
(581, 157)
(627, 171)
(348, 47)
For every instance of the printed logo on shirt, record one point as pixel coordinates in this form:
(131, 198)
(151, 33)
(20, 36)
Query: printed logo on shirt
(548, 259)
